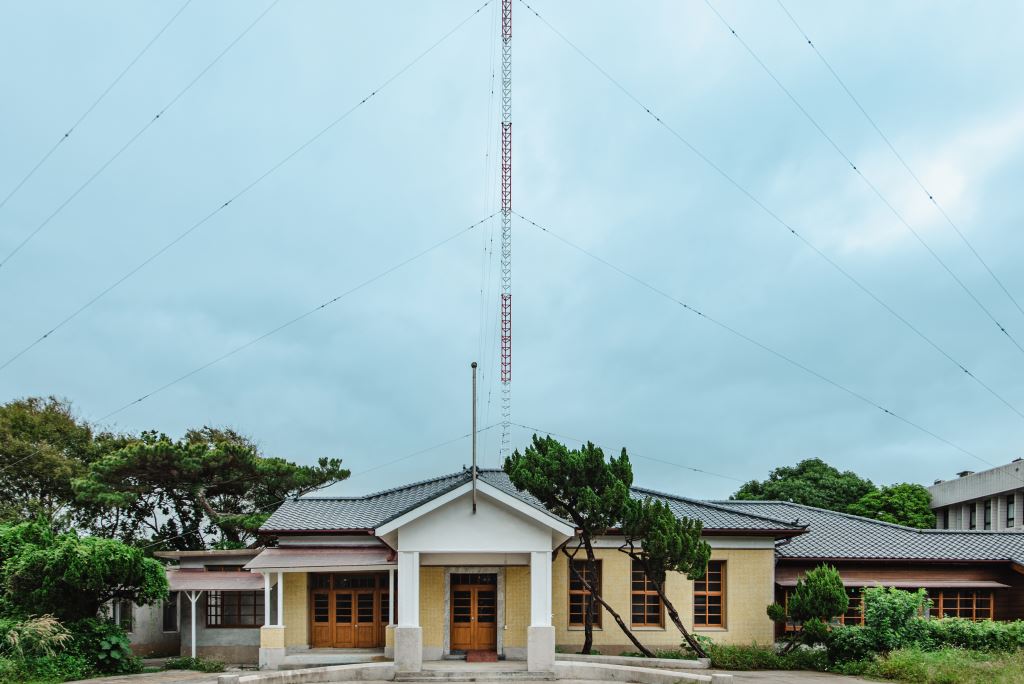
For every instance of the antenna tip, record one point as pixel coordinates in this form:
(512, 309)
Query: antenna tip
(473, 365)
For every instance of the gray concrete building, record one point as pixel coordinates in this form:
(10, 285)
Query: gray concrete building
(988, 500)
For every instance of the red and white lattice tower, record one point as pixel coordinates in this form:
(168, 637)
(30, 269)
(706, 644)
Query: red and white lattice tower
(506, 226)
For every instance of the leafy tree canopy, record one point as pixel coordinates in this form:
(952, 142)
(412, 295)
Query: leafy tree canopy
(662, 543)
(903, 504)
(577, 484)
(42, 447)
(212, 481)
(71, 577)
(811, 482)
(581, 486)
(819, 597)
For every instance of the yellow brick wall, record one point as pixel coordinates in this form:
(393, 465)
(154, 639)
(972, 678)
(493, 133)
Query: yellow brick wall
(432, 606)
(749, 590)
(517, 606)
(296, 609)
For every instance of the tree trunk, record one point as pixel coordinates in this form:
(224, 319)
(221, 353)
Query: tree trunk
(673, 615)
(588, 639)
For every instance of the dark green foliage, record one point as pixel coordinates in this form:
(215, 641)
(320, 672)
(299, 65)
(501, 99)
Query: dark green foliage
(43, 446)
(984, 635)
(849, 644)
(725, 657)
(581, 486)
(662, 543)
(903, 504)
(104, 646)
(576, 484)
(198, 664)
(891, 615)
(776, 613)
(820, 595)
(60, 667)
(811, 482)
(818, 599)
(212, 480)
(71, 577)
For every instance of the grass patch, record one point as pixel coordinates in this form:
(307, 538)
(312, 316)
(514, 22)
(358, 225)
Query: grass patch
(947, 666)
(756, 657)
(199, 664)
(672, 654)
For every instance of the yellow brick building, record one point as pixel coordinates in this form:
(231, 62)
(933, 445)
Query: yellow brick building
(456, 565)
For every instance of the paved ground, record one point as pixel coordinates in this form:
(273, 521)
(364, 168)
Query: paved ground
(765, 677)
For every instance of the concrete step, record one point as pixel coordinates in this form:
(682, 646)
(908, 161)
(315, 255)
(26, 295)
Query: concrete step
(301, 662)
(467, 675)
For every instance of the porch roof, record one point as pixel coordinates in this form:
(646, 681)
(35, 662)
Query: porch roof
(304, 559)
(202, 580)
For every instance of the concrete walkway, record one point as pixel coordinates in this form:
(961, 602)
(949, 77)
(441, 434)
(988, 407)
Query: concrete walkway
(758, 677)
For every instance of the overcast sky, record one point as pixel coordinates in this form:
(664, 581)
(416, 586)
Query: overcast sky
(384, 372)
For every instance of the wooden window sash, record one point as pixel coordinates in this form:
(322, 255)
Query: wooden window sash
(643, 597)
(229, 604)
(579, 595)
(700, 588)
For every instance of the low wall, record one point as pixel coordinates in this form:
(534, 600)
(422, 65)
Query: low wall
(629, 661)
(333, 673)
(641, 675)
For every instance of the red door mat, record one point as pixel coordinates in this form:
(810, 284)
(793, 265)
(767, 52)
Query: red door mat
(481, 656)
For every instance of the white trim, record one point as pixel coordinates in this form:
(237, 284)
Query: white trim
(326, 568)
(541, 517)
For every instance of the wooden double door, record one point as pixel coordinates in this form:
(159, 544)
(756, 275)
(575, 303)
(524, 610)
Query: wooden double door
(348, 611)
(474, 612)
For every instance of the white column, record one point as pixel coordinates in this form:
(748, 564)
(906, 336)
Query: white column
(409, 588)
(540, 635)
(280, 599)
(408, 633)
(1018, 504)
(965, 516)
(999, 513)
(266, 598)
(391, 596)
(540, 589)
(193, 597)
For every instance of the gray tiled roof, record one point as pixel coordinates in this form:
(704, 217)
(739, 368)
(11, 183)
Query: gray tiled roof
(842, 536)
(313, 514)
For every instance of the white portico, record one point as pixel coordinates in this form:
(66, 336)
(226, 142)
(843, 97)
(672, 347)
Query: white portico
(461, 576)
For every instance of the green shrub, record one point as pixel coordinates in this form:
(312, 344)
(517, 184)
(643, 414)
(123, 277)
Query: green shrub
(757, 657)
(104, 646)
(849, 644)
(199, 664)
(977, 636)
(892, 616)
(56, 668)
